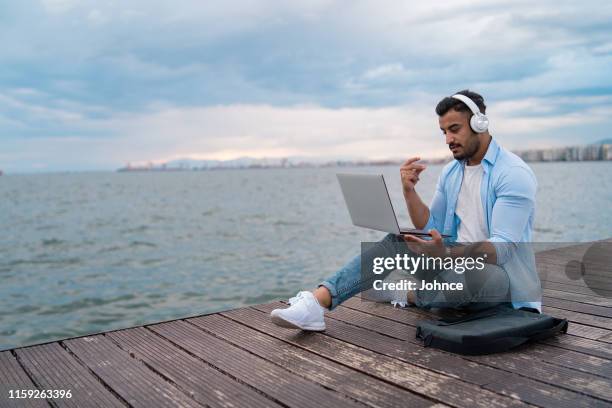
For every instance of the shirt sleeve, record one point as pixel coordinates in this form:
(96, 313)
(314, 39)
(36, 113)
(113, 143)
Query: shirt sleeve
(437, 209)
(514, 204)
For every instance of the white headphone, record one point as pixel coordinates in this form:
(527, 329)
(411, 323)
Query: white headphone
(479, 121)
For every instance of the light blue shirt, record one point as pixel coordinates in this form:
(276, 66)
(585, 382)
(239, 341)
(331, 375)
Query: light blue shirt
(507, 191)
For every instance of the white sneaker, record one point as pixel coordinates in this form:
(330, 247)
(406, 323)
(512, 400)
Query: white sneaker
(304, 313)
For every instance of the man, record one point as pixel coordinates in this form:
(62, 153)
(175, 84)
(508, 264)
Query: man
(484, 200)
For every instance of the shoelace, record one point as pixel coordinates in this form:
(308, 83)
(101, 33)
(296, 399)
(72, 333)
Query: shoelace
(400, 299)
(300, 295)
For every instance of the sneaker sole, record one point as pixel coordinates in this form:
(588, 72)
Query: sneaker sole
(279, 321)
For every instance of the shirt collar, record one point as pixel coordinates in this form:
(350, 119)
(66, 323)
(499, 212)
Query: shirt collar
(492, 152)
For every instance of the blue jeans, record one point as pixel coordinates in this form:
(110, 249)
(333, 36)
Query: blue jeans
(487, 288)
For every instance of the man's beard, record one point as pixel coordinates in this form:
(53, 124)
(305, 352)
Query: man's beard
(468, 150)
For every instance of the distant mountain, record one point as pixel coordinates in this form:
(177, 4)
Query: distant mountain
(241, 162)
(600, 150)
(247, 162)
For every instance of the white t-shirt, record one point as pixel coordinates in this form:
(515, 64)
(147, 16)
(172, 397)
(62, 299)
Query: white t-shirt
(472, 227)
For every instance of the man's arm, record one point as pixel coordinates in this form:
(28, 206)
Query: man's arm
(418, 211)
(515, 202)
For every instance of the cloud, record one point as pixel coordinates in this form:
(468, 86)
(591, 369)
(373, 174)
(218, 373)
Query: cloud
(166, 132)
(109, 72)
(35, 111)
(59, 6)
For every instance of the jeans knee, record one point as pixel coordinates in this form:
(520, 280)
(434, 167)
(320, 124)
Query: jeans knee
(493, 279)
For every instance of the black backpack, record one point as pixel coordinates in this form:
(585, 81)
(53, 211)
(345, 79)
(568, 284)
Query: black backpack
(489, 331)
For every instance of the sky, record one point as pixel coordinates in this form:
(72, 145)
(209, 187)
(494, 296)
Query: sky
(94, 85)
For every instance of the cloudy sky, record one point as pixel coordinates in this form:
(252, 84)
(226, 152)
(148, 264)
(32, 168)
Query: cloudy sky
(88, 85)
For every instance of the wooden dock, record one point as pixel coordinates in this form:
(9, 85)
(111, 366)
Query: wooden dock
(368, 356)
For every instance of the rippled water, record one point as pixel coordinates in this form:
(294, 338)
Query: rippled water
(88, 252)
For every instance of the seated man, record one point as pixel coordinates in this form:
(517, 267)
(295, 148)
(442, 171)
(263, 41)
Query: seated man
(485, 199)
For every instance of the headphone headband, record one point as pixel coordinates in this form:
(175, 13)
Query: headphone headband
(479, 121)
(470, 103)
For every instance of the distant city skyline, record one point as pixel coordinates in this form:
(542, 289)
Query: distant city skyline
(95, 85)
(600, 151)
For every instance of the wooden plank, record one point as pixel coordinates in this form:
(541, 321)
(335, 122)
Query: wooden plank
(552, 397)
(570, 251)
(578, 297)
(592, 310)
(570, 359)
(554, 269)
(599, 279)
(525, 363)
(448, 390)
(562, 258)
(583, 318)
(595, 282)
(331, 375)
(383, 310)
(428, 358)
(193, 376)
(13, 377)
(577, 252)
(445, 363)
(53, 368)
(566, 287)
(582, 345)
(588, 332)
(534, 393)
(126, 376)
(278, 383)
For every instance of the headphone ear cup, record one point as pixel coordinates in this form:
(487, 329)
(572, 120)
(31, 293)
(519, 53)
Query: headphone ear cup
(479, 123)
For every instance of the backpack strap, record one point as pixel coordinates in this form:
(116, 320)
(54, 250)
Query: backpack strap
(473, 316)
(560, 326)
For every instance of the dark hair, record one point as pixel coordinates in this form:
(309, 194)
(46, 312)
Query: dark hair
(449, 103)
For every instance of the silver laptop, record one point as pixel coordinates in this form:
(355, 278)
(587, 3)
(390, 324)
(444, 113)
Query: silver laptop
(369, 203)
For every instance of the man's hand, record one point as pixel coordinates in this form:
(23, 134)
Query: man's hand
(433, 247)
(410, 172)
